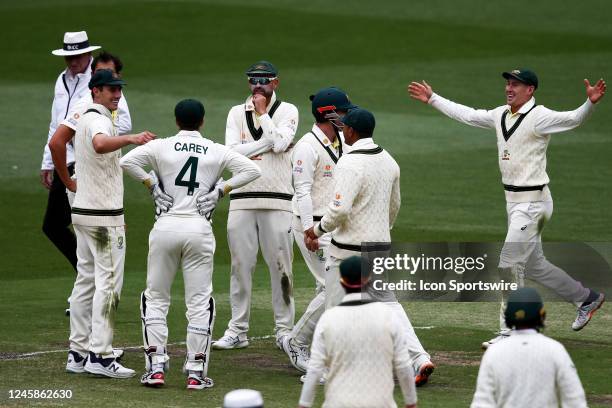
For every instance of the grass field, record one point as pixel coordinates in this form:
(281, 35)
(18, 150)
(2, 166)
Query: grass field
(450, 182)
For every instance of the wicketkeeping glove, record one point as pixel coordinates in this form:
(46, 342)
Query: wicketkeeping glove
(206, 203)
(162, 201)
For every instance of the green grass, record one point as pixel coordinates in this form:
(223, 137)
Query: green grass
(450, 182)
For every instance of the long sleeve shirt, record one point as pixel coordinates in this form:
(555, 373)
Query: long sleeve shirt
(366, 199)
(360, 344)
(187, 165)
(313, 162)
(522, 139)
(69, 89)
(528, 369)
(266, 139)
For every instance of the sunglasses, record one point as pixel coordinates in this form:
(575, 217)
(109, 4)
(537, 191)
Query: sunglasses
(260, 80)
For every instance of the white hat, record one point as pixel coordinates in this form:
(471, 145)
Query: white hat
(243, 399)
(74, 44)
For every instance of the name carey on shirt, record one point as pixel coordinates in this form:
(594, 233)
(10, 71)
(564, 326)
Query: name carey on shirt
(190, 147)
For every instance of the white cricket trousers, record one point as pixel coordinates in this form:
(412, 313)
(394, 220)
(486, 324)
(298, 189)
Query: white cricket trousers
(335, 293)
(193, 253)
(303, 330)
(97, 288)
(270, 230)
(522, 254)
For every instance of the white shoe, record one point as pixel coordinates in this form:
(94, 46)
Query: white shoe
(195, 382)
(298, 355)
(75, 363)
(587, 311)
(321, 380)
(108, 367)
(228, 342)
(504, 334)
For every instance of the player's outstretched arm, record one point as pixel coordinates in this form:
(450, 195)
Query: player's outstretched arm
(104, 143)
(556, 122)
(422, 91)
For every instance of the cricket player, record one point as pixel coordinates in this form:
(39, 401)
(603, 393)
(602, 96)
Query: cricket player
(523, 131)
(361, 345)
(528, 369)
(188, 166)
(260, 214)
(61, 141)
(70, 86)
(97, 217)
(363, 207)
(314, 158)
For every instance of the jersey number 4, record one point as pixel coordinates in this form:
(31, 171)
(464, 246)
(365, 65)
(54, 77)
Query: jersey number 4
(191, 165)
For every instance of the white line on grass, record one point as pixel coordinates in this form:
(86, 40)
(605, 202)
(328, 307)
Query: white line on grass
(180, 343)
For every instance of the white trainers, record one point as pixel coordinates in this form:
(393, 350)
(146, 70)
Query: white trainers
(108, 367)
(298, 355)
(586, 312)
(195, 382)
(504, 334)
(228, 342)
(75, 363)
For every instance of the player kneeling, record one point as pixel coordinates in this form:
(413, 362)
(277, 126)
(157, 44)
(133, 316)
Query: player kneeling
(188, 166)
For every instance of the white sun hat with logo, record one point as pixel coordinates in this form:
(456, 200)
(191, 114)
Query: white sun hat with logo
(75, 43)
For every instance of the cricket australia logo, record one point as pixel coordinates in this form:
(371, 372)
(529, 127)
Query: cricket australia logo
(506, 155)
(120, 242)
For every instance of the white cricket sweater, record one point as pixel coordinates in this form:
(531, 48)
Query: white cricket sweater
(313, 161)
(267, 140)
(361, 345)
(522, 140)
(365, 201)
(99, 196)
(528, 369)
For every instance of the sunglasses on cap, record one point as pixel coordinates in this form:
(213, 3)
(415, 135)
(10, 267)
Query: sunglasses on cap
(261, 80)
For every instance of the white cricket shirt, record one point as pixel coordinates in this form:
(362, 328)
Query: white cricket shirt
(99, 197)
(361, 345)
(313, 161)
(187, 165)
(267, 140)
(528, 369)
(522, 139)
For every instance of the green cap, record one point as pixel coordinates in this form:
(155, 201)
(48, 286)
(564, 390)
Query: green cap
(361, 120)
(104, 77)
(525, 308)
(189, 112)
(262, 68)
(352, 275)
(330, 98)
(523, 75)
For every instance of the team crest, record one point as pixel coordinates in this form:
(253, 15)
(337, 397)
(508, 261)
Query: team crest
(327, 172)
(506, 155)
(120, 242)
